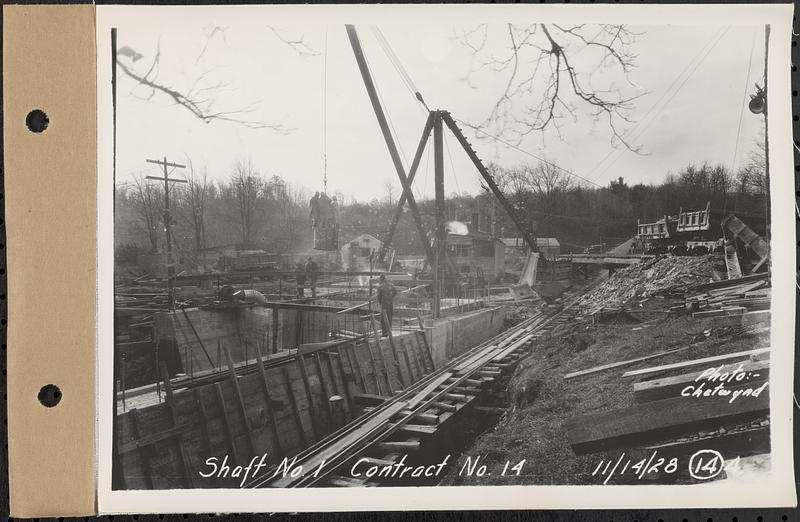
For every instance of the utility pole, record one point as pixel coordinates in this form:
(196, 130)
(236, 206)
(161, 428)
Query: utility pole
(766, 131)
(168, 223)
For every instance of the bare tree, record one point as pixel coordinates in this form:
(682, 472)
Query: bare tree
(547, 80)
(148, 201)
(546, 179)
(247, 186)
(195, 196)
(389, 187)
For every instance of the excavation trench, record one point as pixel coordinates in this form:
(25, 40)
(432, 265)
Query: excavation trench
(218, 409)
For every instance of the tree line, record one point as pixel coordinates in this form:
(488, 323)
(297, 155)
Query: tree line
(258, 211)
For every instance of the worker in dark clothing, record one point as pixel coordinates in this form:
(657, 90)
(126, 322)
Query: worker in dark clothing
(300, 277)
(314, 206)
(386, 293)
(312, 273)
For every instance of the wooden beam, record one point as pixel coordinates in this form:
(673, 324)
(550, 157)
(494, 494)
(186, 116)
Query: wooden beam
(301, 365)
(226, 423)
(661, 420)
(623, 363)
(695, 362)
(666, 387)
(186, 466)
(239, 399)
(268, 399)
(352, 358)
(144, 452)
(287, 383)
(403, 445)
(203, 421)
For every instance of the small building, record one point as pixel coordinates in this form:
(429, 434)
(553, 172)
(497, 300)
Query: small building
(477, 255)
(356, 252)
(155, 263)
(547, 246)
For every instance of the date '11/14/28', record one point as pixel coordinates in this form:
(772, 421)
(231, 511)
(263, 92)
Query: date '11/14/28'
(703, 465)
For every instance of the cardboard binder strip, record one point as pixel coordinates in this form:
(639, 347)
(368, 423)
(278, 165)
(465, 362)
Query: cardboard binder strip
(51, 229)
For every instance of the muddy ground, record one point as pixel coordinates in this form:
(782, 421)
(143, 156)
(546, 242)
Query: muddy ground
(539, 400)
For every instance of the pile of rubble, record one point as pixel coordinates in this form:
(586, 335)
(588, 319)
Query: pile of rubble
(661, 275)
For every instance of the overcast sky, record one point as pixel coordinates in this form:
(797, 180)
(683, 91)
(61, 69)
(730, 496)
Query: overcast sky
(691, 81)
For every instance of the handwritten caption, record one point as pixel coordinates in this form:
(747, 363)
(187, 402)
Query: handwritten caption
(714, 382)
(704, 464)
(361, 468)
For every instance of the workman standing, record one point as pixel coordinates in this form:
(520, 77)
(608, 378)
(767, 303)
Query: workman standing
(300, 277)
(312, 273)
(386, 293)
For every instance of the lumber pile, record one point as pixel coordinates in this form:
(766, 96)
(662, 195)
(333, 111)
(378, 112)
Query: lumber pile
(731, 298)
(674, 274)
(722, 403)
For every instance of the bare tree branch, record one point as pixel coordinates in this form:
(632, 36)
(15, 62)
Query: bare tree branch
(299, 45)
(199, 98)
(545, 82)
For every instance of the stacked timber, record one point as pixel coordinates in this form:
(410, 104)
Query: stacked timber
(743, 301)
(718, 403)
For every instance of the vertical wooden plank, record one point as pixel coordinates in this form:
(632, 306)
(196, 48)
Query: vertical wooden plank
(404, 345)
(275, 319)
(318, 363)
(186, 465)
(239, 399)
(144, 452)
(293, 403)
(117, 477)
(268, 398)
(380, 353)
(226, 423)
(298, 328)
(203, 421)
(352, 355)
(426, 350)
(325, 389)
(340, 353)
(396, 359)
(301, 365)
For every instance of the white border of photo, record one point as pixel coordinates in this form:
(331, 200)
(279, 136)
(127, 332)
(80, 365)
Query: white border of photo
(776, 489)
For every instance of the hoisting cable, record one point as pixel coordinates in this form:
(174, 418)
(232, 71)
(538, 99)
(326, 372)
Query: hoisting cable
(398, 65)
(744, 100)
(325, 116)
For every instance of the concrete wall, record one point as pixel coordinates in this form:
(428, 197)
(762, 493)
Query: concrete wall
(451, 336)
(198, 332)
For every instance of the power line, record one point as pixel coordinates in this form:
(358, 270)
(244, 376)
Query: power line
(398, 65)
(672, 97)
(325, 116)
(512, 146)
(452, 165)
(392, 130)
(744, 99)
(657, 103)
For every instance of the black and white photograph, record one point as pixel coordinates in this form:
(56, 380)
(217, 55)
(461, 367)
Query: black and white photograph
(351, 247)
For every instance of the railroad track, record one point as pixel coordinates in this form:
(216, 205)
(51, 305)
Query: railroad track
(402, 423)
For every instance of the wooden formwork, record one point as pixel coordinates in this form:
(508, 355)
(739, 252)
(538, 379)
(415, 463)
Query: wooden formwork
(278, 410)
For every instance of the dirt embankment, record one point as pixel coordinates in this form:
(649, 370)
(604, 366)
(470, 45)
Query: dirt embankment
(540, 401)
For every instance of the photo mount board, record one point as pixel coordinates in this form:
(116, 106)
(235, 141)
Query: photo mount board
(52, 225)
(50, 185)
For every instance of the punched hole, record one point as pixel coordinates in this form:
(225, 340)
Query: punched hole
(37, 120)
(49, 395)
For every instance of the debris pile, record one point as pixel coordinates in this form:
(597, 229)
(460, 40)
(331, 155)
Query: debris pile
(661, 275)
